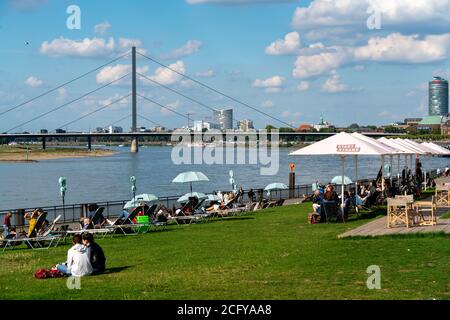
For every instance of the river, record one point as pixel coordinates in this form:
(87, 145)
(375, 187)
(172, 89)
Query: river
(24, 185)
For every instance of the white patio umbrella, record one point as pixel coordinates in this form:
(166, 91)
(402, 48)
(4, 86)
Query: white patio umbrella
(338, 180)
(343, 145)
(442, 151)
(422, 147)
(189, 177)
(418, 151)
(407, 151)
(389, 150)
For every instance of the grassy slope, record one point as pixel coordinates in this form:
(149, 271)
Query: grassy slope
(274, 254)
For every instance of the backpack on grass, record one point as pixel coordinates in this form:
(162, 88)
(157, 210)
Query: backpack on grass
(48, 274)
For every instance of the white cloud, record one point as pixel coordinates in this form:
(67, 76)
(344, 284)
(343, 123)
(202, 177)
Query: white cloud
(166, 76)
(275, 81)
(112, 73)
(359, 68)
(102, 28)
(34, 82)
(189, 48)
(400, 48)
(125, 43)
(333, 84)
(303, 86)
(316, 65)
(26, 5)
(289, 114)
(61, 94)
(95, 47)
(395, 48)
(88, 48)
(116, 105)
(236, 2)
(267, 104)
(173, 105)
(205, 74)
(287, 46)
(353, 13)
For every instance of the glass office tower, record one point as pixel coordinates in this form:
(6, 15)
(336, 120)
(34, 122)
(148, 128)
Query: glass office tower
(438, 97)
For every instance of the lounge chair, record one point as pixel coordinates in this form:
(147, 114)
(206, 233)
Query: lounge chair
(34, 240)
(97, 215)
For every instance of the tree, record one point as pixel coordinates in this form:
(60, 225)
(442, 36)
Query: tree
(285, 129)
(270, 127)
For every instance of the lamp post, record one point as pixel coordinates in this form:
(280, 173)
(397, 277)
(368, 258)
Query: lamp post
(62, 191)
(133, 187)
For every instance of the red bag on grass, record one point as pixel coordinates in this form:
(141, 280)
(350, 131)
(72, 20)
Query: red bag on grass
(48, 274)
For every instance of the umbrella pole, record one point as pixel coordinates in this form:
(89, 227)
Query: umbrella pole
(392, 168)
(191, 188)
(356, 174)
(343, 188)
(382, 173)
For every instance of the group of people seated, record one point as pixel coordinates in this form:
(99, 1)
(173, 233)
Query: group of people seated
(84, 258)
(366, 196)
(9, 232)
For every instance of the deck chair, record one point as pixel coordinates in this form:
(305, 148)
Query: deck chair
(34, 240)
(52, 226)
(331, 211)
(127, 227)
(97, 215)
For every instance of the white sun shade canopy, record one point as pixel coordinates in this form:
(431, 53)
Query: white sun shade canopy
(437, 147)
(392, 143)
(422, 147)
(418, 150)
(385, 147)
(341, 144)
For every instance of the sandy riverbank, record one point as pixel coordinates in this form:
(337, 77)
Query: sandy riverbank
(22, 154)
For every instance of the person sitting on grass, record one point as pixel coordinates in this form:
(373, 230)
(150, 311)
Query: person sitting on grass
(78, 263)
(96, 254)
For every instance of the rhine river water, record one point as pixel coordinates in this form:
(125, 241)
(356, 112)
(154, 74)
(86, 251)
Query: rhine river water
(24, 185)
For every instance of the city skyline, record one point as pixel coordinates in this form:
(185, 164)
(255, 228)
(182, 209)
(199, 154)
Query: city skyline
(295, 67)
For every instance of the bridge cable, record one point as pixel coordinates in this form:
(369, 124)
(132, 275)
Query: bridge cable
(95, 111)
(68, 103)
(181, 94)
(155, 123)
(62, 85)
(162, 106)
(115, 122)
(214, 90)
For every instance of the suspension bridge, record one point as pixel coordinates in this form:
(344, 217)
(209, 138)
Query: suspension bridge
(134, 134)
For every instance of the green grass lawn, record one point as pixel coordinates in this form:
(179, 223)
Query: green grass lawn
(273, 254)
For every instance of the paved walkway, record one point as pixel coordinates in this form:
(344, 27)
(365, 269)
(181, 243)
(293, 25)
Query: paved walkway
(378, 228)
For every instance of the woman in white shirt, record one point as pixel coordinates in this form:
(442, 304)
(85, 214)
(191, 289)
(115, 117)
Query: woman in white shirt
(78, 263)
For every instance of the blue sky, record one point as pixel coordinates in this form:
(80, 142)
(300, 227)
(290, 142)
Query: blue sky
(292, 59)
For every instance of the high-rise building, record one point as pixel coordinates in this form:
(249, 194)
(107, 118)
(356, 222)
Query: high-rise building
(224, 118)
(246, 125)
(113, 129)
(438, 97)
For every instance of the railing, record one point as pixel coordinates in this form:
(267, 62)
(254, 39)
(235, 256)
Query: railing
(74, 212)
